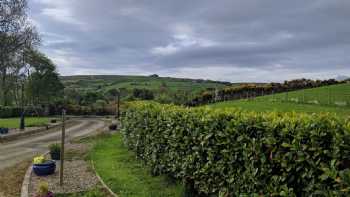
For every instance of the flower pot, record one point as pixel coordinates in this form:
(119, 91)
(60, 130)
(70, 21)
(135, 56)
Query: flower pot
(45, 169)
(4, 130)
(55, 155)
(50, 194)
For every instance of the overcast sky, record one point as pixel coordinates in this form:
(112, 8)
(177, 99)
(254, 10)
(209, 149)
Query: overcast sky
(231, 40)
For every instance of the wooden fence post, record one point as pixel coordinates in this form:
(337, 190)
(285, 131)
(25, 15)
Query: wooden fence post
(62, 145)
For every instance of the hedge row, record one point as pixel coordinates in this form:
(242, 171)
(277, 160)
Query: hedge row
(232, 152)
(9, 112)
(90, 110)
(252, 90)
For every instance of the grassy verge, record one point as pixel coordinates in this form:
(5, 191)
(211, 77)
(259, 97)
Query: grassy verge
(30, 122)
(126, 175)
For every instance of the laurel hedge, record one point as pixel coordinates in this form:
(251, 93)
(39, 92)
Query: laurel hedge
(233, 152)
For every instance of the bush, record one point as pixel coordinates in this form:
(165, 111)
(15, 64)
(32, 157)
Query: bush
(9, 112)
(235, 152)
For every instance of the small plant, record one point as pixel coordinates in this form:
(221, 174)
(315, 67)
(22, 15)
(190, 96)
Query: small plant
(39, 160)
(55, 151)
(53, 121)
(43, 190)
(55, 148)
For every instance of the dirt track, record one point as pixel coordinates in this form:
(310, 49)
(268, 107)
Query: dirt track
(25, 148)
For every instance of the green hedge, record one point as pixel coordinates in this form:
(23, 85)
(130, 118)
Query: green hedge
(9, 112)
(230, 153)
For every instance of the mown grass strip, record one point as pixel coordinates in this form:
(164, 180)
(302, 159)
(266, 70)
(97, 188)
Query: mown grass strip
(30, 122)
(126, 175)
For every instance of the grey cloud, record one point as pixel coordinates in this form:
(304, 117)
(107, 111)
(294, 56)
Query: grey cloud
(304, 38)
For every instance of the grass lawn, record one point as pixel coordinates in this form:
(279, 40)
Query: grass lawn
(127, 176)
(93, 193)
(29, 121)
(265, 105)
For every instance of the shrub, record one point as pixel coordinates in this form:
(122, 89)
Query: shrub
(53, 121)
(9, 112)
(233, 152)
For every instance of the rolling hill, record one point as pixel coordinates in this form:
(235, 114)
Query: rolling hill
(164, 89)
(105, 82)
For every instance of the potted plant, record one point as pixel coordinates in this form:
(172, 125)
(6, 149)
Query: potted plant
(55, 151)
(113, 127)
(43, 190)
(43, 167)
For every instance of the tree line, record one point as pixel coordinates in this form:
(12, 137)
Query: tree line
(27, 76)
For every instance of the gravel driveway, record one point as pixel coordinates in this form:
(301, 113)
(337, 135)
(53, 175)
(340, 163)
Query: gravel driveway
(25, 148)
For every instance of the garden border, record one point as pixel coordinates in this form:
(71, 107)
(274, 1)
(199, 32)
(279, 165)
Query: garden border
(26, 180)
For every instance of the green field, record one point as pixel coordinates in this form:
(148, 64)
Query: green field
(332, 99)
(126, 175)
(106, 82)
(30, 122)
(334, 95)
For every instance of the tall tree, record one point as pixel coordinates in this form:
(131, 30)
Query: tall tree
(44, 84)
(16, 35)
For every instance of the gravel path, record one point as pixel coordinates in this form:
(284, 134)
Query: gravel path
(78, 177)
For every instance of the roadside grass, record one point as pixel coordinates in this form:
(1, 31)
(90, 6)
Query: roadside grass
(126, 175)
(11, 179)
(29, 122)
(260, 105)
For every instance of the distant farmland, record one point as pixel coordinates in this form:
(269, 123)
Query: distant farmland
(106, 82)
(333, 99)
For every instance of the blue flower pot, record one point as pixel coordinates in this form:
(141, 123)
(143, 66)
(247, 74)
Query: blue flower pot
(45, 169)
(55, 155)
(4, 130)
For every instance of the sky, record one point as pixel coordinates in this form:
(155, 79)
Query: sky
(227, 40)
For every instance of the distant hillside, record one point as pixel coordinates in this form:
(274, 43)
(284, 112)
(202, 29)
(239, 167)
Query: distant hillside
(105, 82)
(164, 89)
